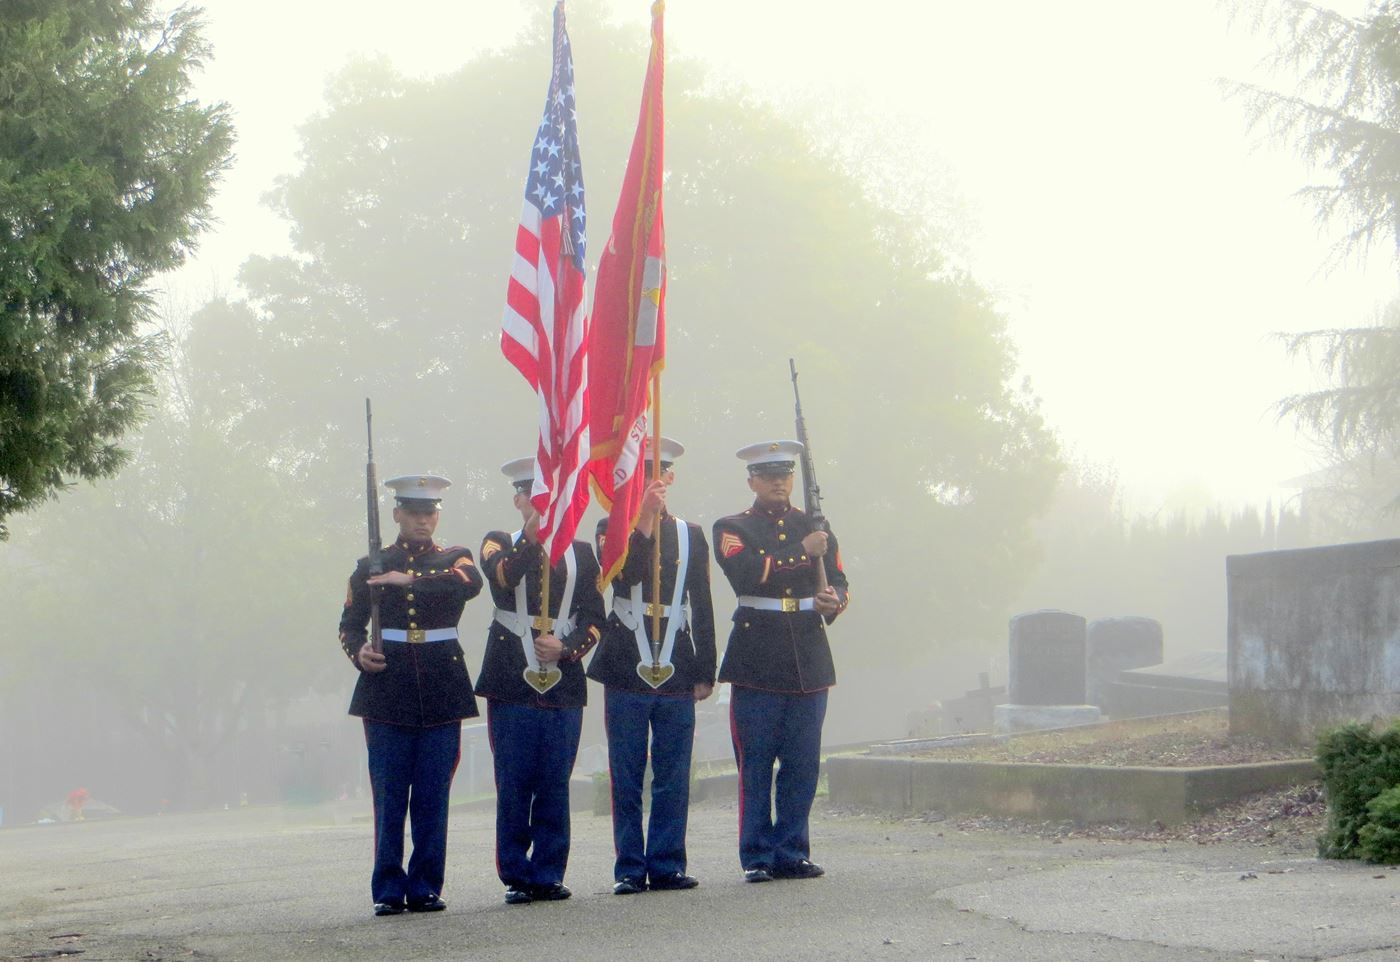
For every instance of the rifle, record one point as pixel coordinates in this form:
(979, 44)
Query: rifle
(376, 560)
(811, 491)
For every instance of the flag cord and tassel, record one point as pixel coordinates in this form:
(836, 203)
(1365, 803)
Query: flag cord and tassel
(656, 529)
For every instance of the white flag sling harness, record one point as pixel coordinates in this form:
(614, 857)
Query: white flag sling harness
(517, 622)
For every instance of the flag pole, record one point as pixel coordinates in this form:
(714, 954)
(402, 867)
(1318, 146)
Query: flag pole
(656, 530)
(543, 622)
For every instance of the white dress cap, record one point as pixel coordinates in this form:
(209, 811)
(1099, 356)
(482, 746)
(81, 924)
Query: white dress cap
(418, 487)
(520, 471)
(770, 452)
(670, 449)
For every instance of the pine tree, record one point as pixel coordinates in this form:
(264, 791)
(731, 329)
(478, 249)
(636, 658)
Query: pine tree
(107, 168)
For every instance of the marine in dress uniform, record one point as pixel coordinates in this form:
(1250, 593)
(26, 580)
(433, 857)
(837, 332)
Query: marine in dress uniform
(534, 685)
(778, 661)
(413, 695)
(646, 696)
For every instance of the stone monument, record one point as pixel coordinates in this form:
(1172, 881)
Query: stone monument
(1314, 638)
(1047, 673)
(1118, 644)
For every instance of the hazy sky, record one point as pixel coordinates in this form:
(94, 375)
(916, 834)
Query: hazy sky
(1143, 247)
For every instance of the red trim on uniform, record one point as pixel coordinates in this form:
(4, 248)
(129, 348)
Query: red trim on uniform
(738, 759)
(612, 782)
(373, 795)
(495, 775)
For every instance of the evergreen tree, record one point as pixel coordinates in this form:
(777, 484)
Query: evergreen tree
(1344, 117)
(107, 168)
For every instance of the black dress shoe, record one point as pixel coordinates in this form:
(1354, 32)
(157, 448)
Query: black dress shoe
(673, 881)
(799, 869)
(518, 896)
(388, 908)
(430, 904)
(629, 886)
(757, 875)
(553, 892)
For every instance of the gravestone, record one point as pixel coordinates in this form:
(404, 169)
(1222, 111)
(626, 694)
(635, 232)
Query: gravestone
(1047, 672)
(1047, 658)
(1118, 644)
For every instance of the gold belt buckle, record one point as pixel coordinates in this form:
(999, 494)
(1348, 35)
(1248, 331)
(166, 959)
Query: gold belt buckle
(654, 609)
(541, 623)
(416, 636)
(789, 604)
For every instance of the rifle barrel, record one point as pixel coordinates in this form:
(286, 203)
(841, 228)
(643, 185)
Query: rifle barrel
(376, 564)
(812, 491)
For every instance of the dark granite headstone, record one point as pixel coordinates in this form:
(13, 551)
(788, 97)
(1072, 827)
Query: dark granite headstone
(1118, 644)
(1047, 658)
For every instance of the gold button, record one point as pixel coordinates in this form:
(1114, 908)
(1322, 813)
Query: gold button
(786, 591)
(410, 596)
(413, 624)
(746, 624)
(780, 524)
(413, 611)
(782, 537)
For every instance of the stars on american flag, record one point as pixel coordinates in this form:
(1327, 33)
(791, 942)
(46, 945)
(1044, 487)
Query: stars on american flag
(555, 185)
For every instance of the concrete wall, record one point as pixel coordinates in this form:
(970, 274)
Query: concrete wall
(1080, 793)
(1314, 638)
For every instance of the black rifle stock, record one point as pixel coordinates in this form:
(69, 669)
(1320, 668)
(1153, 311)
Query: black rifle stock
(811, 490)
(376, 560)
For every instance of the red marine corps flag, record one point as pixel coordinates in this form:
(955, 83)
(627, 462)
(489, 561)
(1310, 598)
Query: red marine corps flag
(545, 331)
(629, 323)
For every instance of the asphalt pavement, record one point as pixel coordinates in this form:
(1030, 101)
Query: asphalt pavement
(272, 884)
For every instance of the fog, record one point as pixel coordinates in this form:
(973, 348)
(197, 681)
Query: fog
(1101, 184)
(995, 239)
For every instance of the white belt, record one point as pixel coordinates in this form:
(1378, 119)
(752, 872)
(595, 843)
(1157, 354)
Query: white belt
(520, 627)
(417, 635)
(777, 604)
(622, 607)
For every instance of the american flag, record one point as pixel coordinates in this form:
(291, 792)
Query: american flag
(545, 331)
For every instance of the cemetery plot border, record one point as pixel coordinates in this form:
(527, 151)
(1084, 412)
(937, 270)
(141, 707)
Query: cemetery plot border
(1080, 793)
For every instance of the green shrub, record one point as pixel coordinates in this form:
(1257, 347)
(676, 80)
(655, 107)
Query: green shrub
(1358, 765)
(1380, 836)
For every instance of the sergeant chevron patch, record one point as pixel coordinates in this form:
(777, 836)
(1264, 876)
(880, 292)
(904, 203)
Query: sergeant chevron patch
(730, 544)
